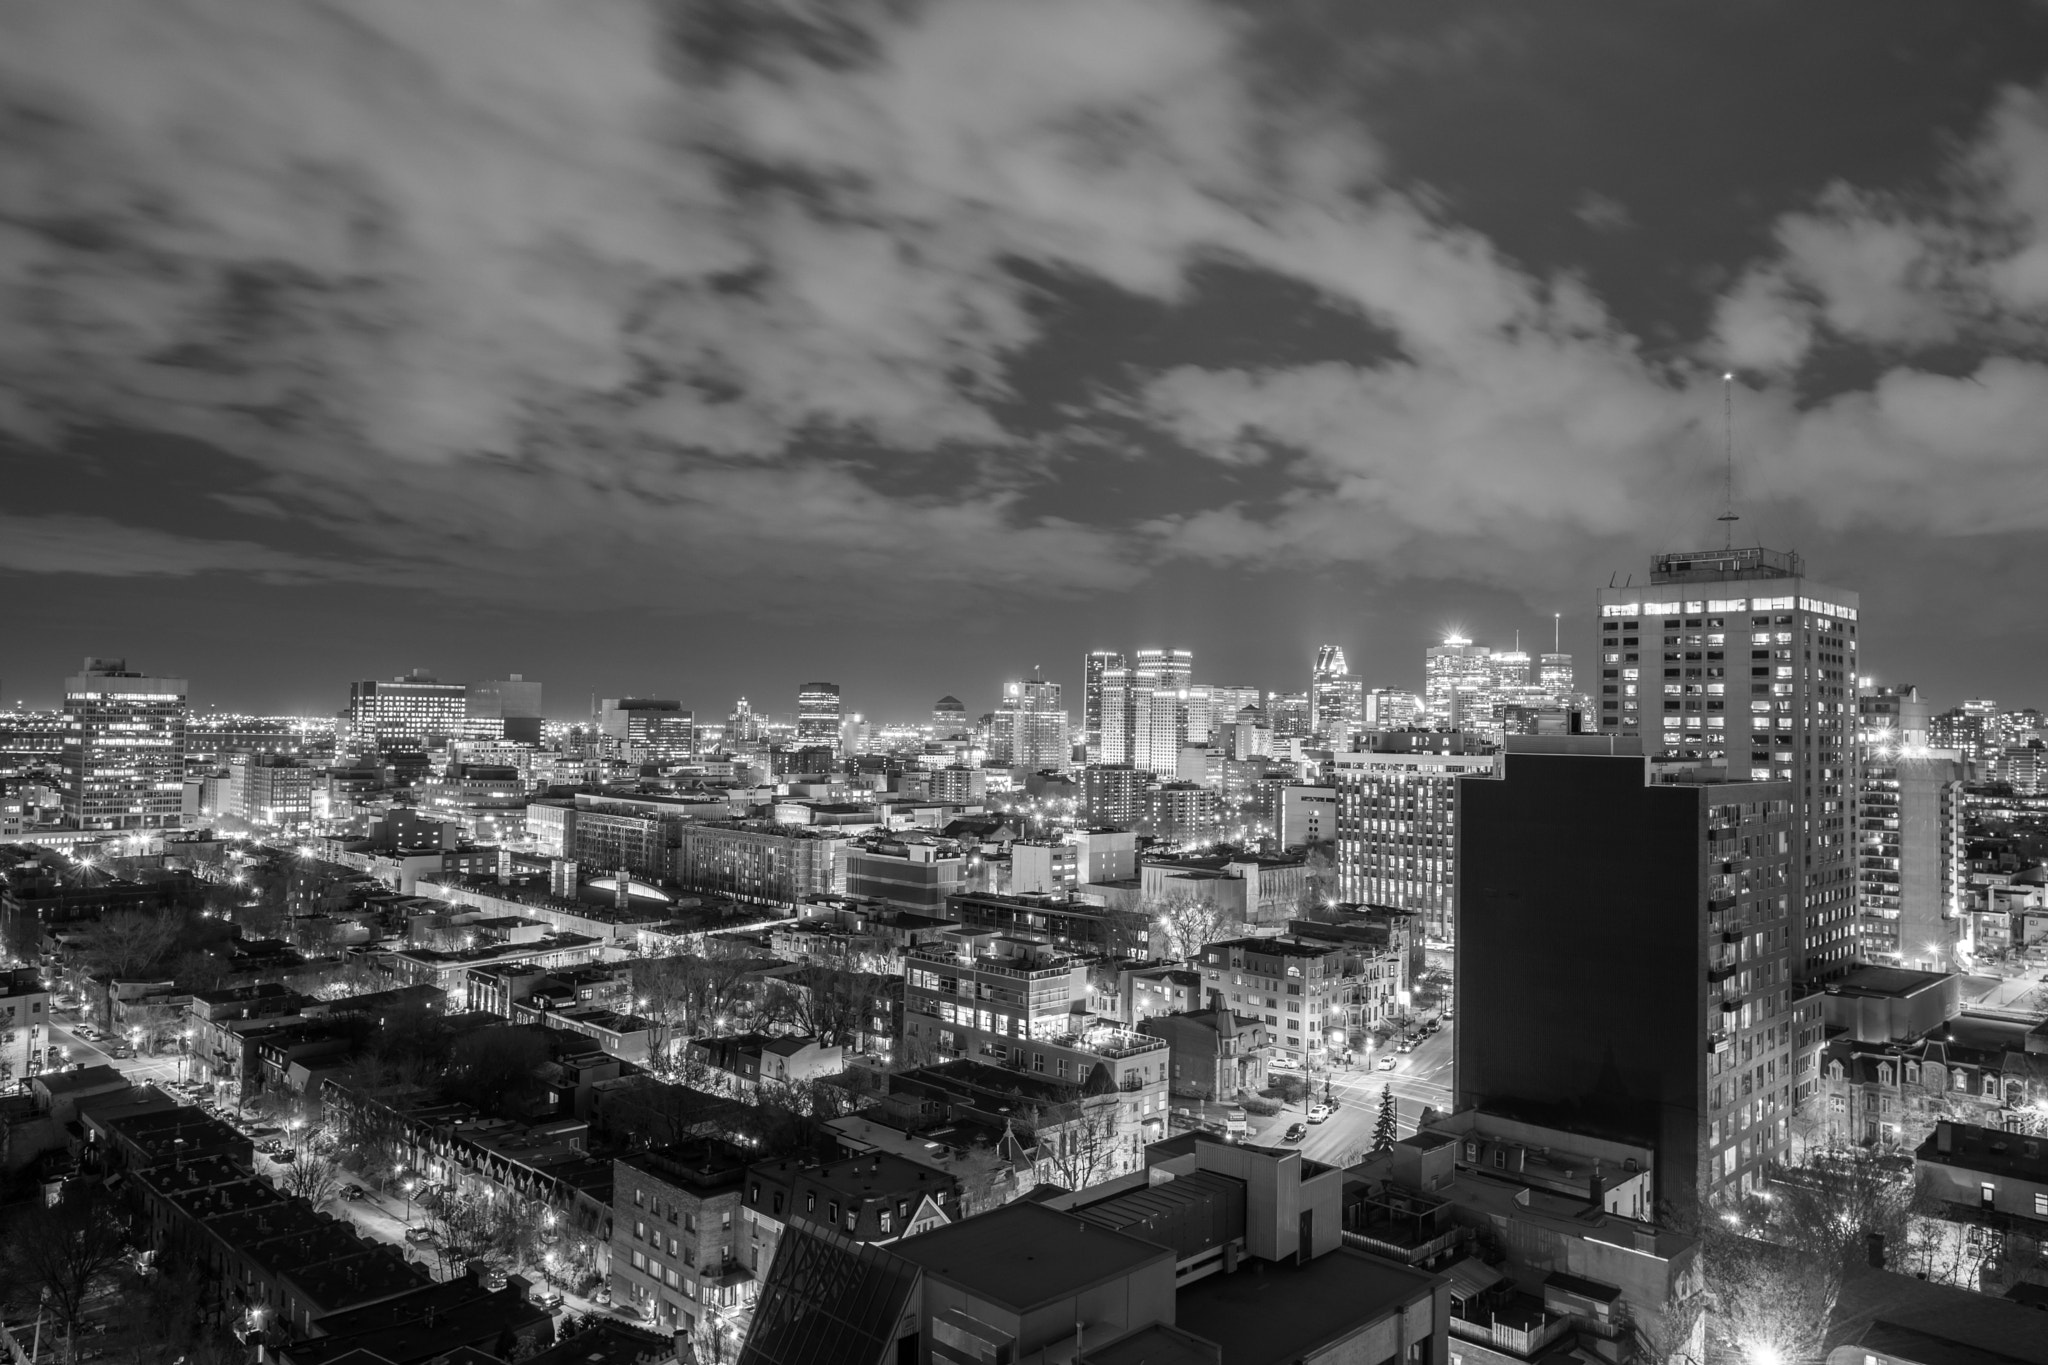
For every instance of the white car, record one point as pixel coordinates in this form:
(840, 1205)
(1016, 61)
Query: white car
(1319, 1113)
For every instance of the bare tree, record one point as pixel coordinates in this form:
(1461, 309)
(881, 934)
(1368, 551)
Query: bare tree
(826, 1003)
(1185, 924)
(311, 1177)
(66, 1252)
(1765, 1301)
(1077, 1143)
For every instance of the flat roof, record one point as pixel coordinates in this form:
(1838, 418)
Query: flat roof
(1024, 1255)
(1886, 981)
(1274, 1311)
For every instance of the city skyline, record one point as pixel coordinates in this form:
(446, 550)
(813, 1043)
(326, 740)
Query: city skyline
(1453, 359)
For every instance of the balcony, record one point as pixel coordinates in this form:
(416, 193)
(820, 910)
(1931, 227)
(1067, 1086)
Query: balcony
(1517, 1324)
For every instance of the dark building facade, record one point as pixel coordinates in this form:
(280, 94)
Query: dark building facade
(1625, 952)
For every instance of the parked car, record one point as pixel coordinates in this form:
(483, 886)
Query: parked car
(351, 1193)
(548, 1297)
(284, 1156)
(1320, 1113)
(418, 1236)
(1295, 1132)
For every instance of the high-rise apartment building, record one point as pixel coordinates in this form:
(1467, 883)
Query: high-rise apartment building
(123, 760)
(1289, 714)
(408, 714)
(1396, 831)
(1911, 872)
(1030, 729)
(1113, 794)
(1097, 663)
(818, 713)
(1335, 699)
(1674, 891)
(1455, 674)
(1738, 659)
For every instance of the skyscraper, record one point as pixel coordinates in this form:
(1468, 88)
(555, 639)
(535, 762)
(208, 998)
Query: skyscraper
(1451, 670)
(1911, 872)
(1118, 744)
(1334, 699)
(1555, 675)
(1755, 668)
(1030, 728)
(408, 714)
(1093, 666)
(123, 760)
(1160, 709)
(817, 714)
(650, 729)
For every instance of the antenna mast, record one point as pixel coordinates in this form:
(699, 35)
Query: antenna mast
(1728, 517)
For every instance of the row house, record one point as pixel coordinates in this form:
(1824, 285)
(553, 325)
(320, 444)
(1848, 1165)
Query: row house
(1978, 1070)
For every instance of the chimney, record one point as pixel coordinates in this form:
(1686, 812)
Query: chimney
(1876, 1250)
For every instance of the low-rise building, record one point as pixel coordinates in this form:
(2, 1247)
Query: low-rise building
(24, 1027)
(1214, 1054)
(676, 1242)
(1289, 984)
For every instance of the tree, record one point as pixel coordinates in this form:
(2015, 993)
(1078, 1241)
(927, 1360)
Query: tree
(124, 943)
(65, 1252)
(1386, 1130)
(1185, 924)
(830, 1004)
(987, 1181)
(495, 1069)
(1764, 1301)
(1318, 899)
(1076, 1143)
(311, 1177)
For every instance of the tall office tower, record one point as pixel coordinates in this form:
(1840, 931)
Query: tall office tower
(1396, 838)
(1388, 708)
(1454, 669)
(1679, 908)
(1226, 702)
(1288, 712)
(1093, 666)
(1159, 721)
(1335, 699)
(649, 729)
(1507, 669)
(1030, 728)
(1554, 674)
(742, 726)
(949, 719)
(506, 709)
(817, 713)
(1911, 871)
(415, 712)
(1756, 673)
(123, 761)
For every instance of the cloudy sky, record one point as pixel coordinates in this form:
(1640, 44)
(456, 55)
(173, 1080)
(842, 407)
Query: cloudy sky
(703, 348)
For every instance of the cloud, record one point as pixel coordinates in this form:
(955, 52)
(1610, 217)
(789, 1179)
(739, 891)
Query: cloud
(557, 303)
(97, 547)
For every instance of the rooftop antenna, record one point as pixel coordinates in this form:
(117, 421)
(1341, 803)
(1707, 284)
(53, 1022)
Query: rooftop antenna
(1728, 517)
(1557, 632)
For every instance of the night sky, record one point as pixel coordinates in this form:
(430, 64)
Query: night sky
(700, 349)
